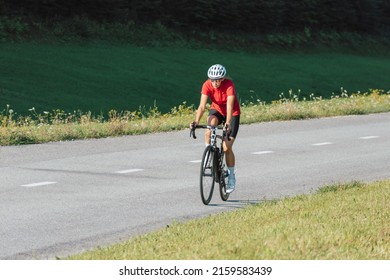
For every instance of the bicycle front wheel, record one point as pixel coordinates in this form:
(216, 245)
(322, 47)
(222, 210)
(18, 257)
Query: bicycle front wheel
(207, 175)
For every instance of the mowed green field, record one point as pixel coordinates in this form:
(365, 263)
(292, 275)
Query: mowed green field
(101, 77)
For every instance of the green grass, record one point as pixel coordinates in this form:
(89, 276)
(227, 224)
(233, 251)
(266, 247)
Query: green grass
(342, 221)
(100, 77)
(58, 125)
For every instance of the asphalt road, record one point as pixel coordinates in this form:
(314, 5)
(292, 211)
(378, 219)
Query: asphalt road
(62, 198)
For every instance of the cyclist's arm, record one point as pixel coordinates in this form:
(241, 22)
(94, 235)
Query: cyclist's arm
(201, 108)
(229, 109)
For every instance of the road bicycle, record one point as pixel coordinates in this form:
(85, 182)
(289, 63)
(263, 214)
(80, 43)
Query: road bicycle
(213, 168)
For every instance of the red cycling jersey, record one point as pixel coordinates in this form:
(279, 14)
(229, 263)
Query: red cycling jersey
(219, 96)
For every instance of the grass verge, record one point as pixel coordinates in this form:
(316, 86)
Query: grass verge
(341, 221)
(60, 126)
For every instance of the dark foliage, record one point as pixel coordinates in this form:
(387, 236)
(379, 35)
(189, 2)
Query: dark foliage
(251, 16)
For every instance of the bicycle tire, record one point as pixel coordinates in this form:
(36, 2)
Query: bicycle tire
(221, 173)
(207, 175)
(222, 185)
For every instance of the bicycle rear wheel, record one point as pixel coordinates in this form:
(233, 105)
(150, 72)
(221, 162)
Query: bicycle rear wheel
(222, 174)
(222, 185)
(207, 175)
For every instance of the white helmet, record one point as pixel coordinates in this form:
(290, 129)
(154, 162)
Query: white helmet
(217, 71)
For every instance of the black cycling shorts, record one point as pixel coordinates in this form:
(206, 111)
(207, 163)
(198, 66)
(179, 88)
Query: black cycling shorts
(234, 125)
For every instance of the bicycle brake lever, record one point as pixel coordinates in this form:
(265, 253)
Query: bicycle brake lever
(192, 133)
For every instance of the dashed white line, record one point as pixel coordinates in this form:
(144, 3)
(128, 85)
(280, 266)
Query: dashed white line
(369, 137)
(128, 171)
(322, 144)
(262, 152)
(40, 184)
(196, 161)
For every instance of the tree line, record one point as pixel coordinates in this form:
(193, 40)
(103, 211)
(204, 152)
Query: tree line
(250, 16)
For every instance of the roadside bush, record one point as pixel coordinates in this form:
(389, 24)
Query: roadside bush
(12, 28)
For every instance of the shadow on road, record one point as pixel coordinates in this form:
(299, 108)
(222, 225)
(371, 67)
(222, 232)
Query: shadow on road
(236, 203)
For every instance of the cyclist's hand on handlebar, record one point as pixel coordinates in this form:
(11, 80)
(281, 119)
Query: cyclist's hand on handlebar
(227, 128)
(193, 125)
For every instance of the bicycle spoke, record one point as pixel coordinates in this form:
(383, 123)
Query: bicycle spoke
(207, 176)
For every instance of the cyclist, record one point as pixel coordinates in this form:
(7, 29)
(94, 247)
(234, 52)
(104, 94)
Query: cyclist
(225, 109)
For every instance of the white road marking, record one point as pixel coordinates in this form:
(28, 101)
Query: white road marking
(369, 137)
(196, 161)
(322, 144)
(128, 171)
(40, 184)
(263, 153)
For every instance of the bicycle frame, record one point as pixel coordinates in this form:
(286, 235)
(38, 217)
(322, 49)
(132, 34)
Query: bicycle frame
(213, 137)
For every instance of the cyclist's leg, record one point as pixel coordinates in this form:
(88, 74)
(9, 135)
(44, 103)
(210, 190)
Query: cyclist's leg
(228, 144)
(214, 119)
(230, 163)
(229, 154)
